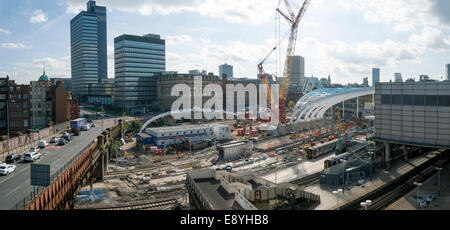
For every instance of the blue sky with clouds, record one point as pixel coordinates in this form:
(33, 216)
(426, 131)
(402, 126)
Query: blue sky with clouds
(344, 38)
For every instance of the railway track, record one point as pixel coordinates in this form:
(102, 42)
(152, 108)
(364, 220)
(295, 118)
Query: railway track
(307, 180)
(387, 199)
(386, 195)
(143, 206)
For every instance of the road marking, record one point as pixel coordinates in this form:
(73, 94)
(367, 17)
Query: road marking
(13, 191)
(15, 173)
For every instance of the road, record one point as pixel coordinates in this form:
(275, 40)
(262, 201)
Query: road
(16, 186)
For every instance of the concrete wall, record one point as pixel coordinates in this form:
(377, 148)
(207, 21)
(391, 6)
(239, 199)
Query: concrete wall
(243, 202)
(416, 123)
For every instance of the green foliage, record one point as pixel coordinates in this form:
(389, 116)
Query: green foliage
(116, 145)
(133, 126)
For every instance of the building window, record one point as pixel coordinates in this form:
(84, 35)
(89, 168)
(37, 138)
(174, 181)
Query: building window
(396, 99)
(419, 100)
(431, 100)
(25, 123)
(408, 100)
(386, 99)
(444, 100)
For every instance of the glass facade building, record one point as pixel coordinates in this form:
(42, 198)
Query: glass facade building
(227, 70)
(88, 49)
(138, 59)
(375, 76)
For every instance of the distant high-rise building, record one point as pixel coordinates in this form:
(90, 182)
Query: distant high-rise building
(227, 70)
(195, 72)
(366, 82)
(329, 79)
(375, 76)
(425, 78)
(296, 73)
(89, 59)
(137, 60)
(398, 77)
(447, 72)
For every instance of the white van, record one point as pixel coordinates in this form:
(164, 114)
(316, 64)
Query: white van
(42, 144)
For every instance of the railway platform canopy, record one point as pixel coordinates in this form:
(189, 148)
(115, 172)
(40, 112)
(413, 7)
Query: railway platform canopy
(314, 105)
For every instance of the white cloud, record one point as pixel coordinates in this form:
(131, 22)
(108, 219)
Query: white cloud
(235, 11)
(11, 45)
(30, 71)
(38, 17)
(5, 31)
(178, 39)
(402, 15)
(431, 38)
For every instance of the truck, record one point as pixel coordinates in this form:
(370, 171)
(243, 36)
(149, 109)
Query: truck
(76, 125)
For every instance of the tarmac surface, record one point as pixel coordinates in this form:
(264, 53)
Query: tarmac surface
(16, 186)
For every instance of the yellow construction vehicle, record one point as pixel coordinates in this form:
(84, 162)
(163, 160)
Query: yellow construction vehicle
(337, 112)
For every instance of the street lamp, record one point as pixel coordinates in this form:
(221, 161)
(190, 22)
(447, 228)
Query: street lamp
(439, 180)
(366, 204)
(417, 191)
(337, 192)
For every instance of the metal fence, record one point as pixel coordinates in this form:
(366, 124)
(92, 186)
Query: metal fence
(38, 190)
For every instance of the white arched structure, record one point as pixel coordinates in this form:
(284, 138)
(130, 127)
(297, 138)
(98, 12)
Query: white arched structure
(314, 105)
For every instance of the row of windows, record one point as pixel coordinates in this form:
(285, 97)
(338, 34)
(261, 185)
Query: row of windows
(139, 65)
(140, 60)
(144, 45)
(139, 51)
(136, 55)
(419, 100)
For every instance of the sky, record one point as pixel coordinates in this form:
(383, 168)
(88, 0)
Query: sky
(343, 38)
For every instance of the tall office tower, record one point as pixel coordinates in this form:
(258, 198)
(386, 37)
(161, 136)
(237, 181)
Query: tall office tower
(447, 72)
(226, 69)
(375, 76)
(398, 77)
(88, 49)
(296, 72)
(137, 60)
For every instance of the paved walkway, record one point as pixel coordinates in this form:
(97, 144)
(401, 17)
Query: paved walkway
(329, 200)
(409, 202)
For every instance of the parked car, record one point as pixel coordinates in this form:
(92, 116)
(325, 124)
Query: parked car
(85, 128)
(6, 169)
(31, 156)
(12, 158)
(67, 138)
(54, 140)
(93, 125)
(35, 149)
(65, 134)
(62, 141)
(42, 144)
(76, 132)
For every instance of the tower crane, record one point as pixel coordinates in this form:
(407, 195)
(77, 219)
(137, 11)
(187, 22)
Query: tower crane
(263, 75)
(293, 21)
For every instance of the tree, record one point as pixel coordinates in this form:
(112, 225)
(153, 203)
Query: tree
(291, 104)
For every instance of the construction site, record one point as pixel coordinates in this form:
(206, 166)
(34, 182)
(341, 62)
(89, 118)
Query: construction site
(332, 149)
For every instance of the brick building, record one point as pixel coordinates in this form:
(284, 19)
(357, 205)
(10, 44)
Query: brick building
(64, 107)
(15, 104)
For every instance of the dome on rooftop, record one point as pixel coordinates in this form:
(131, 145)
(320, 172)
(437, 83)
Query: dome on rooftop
(44, 77)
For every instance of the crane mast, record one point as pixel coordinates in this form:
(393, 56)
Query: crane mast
(294, 22)
(263, 76)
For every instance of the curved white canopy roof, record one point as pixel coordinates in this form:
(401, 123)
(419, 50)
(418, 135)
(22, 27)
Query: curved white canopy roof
(314, 105)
